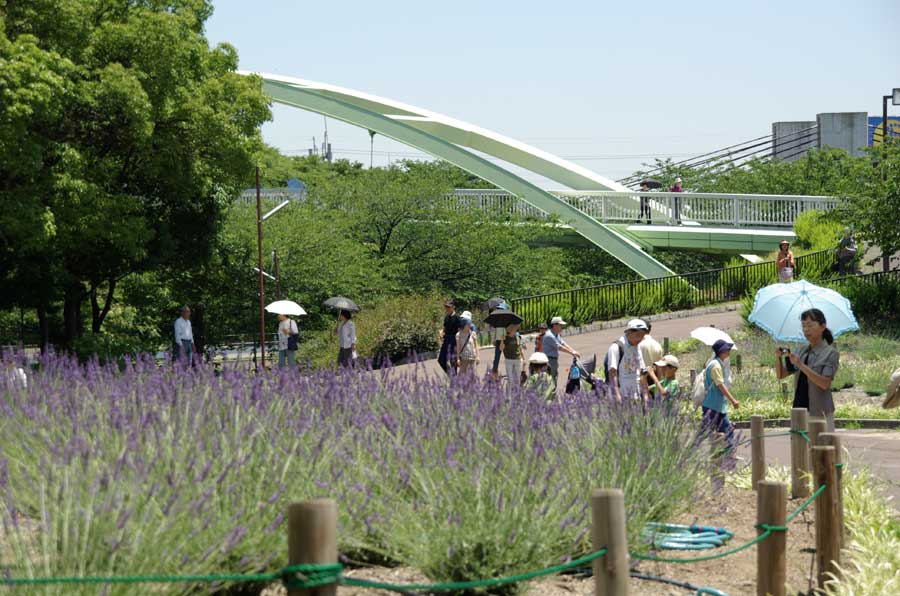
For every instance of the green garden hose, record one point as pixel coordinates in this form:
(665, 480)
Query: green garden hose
(681, 537)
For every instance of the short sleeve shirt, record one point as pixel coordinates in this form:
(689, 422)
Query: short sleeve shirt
(550, 344)
(452, 324)
(629, 369)
(825, 360)
(651, 351)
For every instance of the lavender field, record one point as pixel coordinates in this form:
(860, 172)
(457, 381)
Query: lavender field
(156, 470)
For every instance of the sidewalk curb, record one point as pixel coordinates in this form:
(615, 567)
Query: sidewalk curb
(869, 423)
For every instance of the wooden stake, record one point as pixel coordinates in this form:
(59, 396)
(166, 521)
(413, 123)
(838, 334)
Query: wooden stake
(665, 348)
(693, 376)
(799, 455)
(312, 538)
(738, 363)
(828, 528)
(816, 427)
(757, 450)
(611, 577)
(834, 440)
(771, 563)
(785, 394)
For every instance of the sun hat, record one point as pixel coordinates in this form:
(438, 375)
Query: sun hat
(678, 180)
(466, 315)
(557, 321)
(892, 399)
(721, 346)
(668, 360)
(542, 326)
(784, 242)
(636, 325)
(538, 358)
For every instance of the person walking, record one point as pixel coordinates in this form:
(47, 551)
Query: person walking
(846, 253)
(645, 204)
(676, 201)
(346, 332)
(452, 323)
(184, 335)
(513, 354)
(785, 263)
(287, 341)
(718, 396)
(539, 338)
(625, 364)
(665, 385)
(551, 345)
(814, 367)
(466, 347)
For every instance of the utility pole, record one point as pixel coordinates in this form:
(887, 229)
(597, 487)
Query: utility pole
(261, 365)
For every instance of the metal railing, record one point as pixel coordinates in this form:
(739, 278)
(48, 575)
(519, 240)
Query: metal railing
(632, 298)
(668, 208)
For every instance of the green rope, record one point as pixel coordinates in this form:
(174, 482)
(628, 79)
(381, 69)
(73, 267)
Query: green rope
(499, 581)
(736, 549)
(802, 433)
(805, 504)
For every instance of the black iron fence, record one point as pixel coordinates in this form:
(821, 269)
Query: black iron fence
(634, 298)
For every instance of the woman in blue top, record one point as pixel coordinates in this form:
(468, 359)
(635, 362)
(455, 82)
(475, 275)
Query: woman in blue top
(715, 406)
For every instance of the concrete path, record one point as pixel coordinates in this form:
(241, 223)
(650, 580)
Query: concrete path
(877, 449)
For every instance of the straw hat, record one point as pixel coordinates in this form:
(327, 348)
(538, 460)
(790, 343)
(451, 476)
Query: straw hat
(892, 399)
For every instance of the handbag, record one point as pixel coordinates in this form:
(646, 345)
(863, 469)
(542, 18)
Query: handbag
(293, 338)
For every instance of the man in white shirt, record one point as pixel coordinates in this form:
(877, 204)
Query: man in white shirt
(346, 332)
(184, 335)
(625, 367)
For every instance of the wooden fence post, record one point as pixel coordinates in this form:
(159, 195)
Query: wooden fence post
(693, 376)
(799, 455)
(611, 576)
(312, 538)
(785, 394)
(771, 564)
(834, 440)
(816, 427)
(738, 363)
(757, 450)
(828, 541)
(717, 447)
(665, 348)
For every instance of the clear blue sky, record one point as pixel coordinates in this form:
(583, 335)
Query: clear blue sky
(607, 84)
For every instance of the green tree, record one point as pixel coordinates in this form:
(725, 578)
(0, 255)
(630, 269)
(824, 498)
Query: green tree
(123, 137)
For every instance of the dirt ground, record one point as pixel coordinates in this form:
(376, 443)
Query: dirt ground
(734, 575)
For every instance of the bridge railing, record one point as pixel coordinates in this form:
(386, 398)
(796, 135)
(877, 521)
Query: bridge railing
(580, 306)
(720, 209)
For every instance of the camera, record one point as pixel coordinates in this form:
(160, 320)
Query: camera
(788, 365)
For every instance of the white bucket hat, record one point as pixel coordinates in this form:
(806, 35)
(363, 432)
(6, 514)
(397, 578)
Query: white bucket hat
(538, 358)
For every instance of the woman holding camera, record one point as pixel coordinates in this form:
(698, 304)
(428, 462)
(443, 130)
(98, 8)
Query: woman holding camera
(815, 367)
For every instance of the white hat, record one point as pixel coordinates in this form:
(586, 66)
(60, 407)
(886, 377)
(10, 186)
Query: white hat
(636, 324)
(466, 315)
(678, 180)
(668, 360)
(892, 399)
(557, 321)
(538, 358)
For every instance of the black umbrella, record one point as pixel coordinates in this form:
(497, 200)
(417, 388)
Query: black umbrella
(495, 302)
(341, 303)
(651, 183)
(502, 318)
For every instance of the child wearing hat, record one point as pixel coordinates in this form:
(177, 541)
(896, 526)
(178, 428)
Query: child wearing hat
(539, 379)
(665, 385)
(718, 396)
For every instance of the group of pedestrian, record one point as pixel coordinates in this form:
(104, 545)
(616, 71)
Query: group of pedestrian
(645, 202)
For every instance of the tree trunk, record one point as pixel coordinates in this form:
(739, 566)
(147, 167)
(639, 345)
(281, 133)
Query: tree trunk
(44, 325)
(72, 322)
(98, 315)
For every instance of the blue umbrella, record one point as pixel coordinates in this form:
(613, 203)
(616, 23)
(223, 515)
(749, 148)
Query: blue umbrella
(777, 309)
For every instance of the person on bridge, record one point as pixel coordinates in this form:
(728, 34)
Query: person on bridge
(552, 344)
(452, 323)
(645, 204)
(815, 367)
(676, 201)
(784, 263)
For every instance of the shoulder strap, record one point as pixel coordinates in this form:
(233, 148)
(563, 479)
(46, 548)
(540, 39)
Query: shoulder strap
(621, 349)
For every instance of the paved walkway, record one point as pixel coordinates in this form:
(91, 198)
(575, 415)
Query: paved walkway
(877, 449)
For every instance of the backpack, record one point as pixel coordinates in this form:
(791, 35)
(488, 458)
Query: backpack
(293, 337)
(698, 391)
(606, 359)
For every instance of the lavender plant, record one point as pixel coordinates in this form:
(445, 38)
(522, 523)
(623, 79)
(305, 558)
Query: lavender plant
(157, 469)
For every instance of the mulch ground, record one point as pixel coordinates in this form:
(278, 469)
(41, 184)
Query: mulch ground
(732, 508)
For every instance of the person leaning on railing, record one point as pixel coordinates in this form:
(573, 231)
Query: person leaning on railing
(814, 366)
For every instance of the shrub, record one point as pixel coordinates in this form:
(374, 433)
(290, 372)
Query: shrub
(163, 470)
(815, 231)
